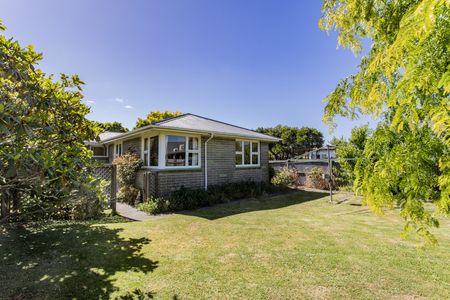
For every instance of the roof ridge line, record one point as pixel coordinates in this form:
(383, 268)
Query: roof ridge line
(229, 124)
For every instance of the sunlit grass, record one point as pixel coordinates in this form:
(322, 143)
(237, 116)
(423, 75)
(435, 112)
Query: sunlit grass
(289, 246)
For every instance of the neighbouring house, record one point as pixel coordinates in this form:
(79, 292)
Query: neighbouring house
(189, 151)
(321, 153)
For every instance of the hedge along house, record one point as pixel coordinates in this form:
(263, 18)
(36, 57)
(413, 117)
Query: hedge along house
(191, 151)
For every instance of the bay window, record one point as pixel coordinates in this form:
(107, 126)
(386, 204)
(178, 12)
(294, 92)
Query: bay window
(150, 151)
(182, 151)
(247, 153)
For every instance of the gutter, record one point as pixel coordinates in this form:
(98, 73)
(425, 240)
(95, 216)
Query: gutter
(269, 139)
(206, 160)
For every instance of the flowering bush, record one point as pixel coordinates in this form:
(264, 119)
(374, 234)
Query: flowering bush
(285, 177)
(128, 165)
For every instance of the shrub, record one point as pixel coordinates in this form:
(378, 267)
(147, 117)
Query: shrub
(128, 166)
(127, 194)
(154, 205)
(315, 179)
(285, 177)
(186, 198)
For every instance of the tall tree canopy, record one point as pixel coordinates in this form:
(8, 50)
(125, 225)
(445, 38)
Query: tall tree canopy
(44, 164)
(405, 81)
(295, 141)
(156, 116)
(349, 151)
(113, 126)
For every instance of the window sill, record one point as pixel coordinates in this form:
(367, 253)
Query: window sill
(248, 166)
(186, 168)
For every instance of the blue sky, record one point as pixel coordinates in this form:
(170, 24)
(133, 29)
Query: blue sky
(250, 63)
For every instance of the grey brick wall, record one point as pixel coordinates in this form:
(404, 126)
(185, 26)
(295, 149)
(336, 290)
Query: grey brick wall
(132, 145)
(221, 169)
(111, 152)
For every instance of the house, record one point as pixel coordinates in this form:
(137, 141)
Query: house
(190, 151)
(322, 152)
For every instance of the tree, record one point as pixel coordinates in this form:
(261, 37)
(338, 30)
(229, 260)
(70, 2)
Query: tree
(350, 151)
(295, 141)
(44, 164)
(113, 126)
(404, 80)
(156, 116)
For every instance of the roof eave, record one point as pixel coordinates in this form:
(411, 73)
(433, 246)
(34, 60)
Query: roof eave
(216, 133)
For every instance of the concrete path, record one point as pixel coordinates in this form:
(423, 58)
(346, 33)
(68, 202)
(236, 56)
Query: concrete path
(132, 213)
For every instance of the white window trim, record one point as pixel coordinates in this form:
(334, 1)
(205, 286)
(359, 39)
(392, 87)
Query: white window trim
(186, 166)
(148, 136)
(162, 144)
(115, 149)
(251, 165)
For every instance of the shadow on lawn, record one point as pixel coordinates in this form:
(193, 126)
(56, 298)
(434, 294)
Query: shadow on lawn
(248, 205)
(68, 261)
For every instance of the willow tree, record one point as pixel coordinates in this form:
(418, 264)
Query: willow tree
(404, 79)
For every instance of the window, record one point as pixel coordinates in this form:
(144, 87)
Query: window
(98, 151)
(150, 151)
(117, 150)
(247, 153)
(182, 151)
(154, 150)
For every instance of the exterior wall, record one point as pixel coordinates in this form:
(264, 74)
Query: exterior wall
(132, 145)
(111, 152)
(221, 169)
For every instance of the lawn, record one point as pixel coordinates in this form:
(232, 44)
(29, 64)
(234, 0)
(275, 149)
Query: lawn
(289, 246)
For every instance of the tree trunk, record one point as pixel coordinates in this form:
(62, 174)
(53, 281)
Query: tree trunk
(4, 206)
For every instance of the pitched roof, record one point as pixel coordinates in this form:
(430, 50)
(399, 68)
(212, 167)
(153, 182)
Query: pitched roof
(108, 134)
(195, 123)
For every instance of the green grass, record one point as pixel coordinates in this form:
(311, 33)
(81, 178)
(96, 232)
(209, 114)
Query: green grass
(289, 246)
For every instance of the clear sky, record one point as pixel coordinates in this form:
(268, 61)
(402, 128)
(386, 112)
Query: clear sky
(251, 63)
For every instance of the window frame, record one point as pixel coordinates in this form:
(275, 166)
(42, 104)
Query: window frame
(143, 151)
(187, 151)
(162, 149)
(116, 154)
(242, 153)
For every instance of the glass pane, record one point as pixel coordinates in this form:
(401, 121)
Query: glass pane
(238, 146)
(145, 144)
(175, 151)
(254, 147)
(246, 153)
(238, 158)
(193, 143)
(154, 151)
(98, 151)
(254, 159)
(193, 159)
(145, 159)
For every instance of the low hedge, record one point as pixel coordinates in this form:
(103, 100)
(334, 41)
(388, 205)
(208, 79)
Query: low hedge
(186, 198)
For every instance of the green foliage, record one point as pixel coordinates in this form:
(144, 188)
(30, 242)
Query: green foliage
(405, 80)
(315, 179)
(154, 205)
(128, 165)
(295, 141)
(44, 165)
(156, 116)
(285, 177)
(351, 149)
(113, 127)
(186, 198)
(127, 194)
(401, 169)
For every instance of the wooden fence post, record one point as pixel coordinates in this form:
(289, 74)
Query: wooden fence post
(113, 188)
